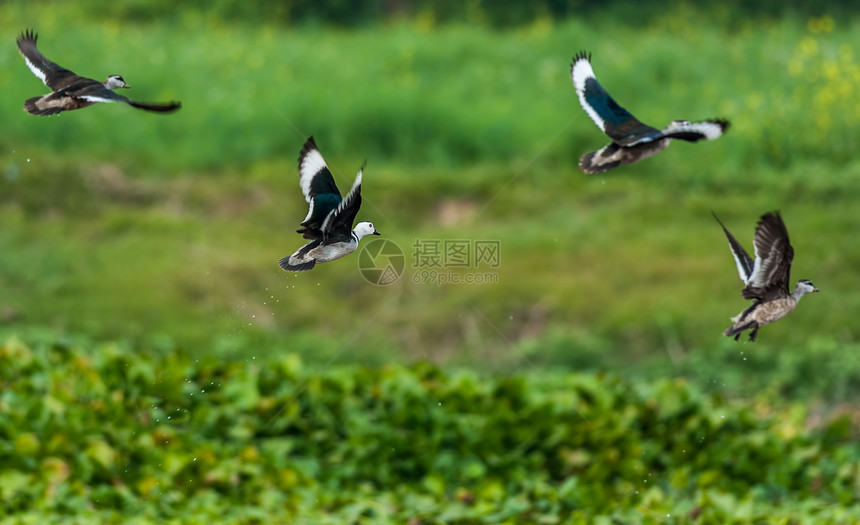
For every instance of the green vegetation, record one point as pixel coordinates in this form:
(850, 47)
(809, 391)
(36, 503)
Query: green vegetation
(109, 432)
(162, 233)
(469, 133)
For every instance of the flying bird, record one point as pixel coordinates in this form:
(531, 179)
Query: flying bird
(632, 140)
(70, 91)
(329, 220)
(766, 277)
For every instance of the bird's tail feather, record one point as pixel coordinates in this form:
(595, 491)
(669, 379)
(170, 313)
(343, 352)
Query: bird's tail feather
(591, 163)
(301, 267)
(735, 329)
(33, 107)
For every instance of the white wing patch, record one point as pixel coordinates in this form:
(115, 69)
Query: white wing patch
(765, 267)
(754, 276)
(310, 210)
(94, 98)
(653, 137)
(739, 262)
(347, 201)
(579, 73)
(708, 130)
(311, 164)
(36, 71)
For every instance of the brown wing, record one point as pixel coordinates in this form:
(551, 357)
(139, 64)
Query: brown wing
(99, 93)
(52, 75)
(773, 256)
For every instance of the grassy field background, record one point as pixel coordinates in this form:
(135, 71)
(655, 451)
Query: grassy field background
(118, 223)
(162, 233)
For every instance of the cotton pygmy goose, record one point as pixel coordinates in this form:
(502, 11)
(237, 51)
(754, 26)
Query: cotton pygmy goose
(632, 140)
(71, 91)
(766, 277)
(329, 220)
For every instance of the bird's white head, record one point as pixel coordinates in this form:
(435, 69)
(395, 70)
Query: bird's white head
(804, 286)
(363, 229)
(115, 82)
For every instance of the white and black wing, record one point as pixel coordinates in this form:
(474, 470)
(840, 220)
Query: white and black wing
(618, 123)
(52, 75)
(314, 175)
(773, 256)
(743, 260)
(337, 226)
(695, 131)
(318, 187)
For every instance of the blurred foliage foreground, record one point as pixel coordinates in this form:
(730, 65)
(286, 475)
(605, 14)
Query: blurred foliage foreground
(108, 434)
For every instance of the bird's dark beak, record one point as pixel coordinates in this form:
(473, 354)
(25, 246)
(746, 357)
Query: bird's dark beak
(816, 290)
(377, 233)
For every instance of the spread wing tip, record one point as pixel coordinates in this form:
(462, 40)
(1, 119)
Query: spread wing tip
(581, 55)
(157, 108)
(718, 219)
(721, 123)
(27, 35)
(309, 145)
(580, 69)
(745, 264)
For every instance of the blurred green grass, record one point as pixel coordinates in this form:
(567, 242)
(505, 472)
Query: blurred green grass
(110, 434)
(120, 224)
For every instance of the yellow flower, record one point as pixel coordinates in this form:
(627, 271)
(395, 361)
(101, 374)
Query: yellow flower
(823, 24)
